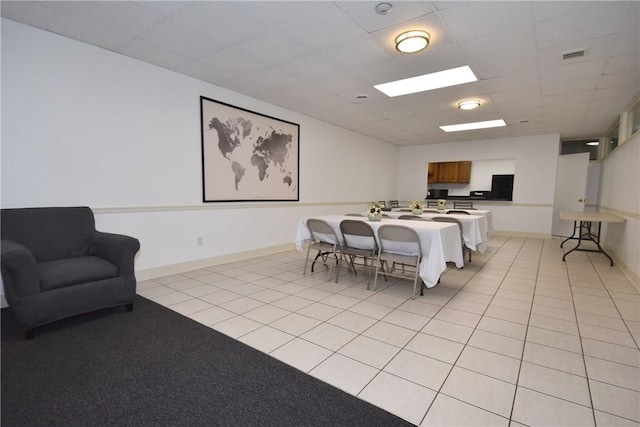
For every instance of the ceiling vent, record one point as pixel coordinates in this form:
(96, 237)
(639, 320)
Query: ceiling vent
(575, 53)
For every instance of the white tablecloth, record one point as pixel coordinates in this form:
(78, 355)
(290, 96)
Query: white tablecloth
(483, 212)
(474, 228)
(440, 242)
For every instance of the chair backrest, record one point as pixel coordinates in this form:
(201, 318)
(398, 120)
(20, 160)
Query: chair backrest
(463, 205)
(413, 217)
(358, 234)
(354, 214)
(50, 233)
(432, 203)
(393, 203)
(399, 239)
(321, 231)
(455, 212)
(382, 203)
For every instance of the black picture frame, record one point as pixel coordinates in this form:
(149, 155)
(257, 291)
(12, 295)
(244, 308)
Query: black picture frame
(247, 156)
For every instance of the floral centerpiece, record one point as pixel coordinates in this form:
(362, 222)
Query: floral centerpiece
(374, 211)
(442, 205)
(416, 207)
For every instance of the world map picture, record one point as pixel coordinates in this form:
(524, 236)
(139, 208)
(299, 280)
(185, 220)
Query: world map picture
(246, 155)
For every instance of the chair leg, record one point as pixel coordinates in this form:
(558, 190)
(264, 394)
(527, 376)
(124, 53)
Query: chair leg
(339, 266)
(304, 272)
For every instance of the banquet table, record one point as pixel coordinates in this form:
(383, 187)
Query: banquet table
(483, 212)
(474, 228)
(583, 224)
(440, 242)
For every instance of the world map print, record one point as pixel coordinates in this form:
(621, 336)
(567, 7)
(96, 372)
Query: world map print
(256, 155)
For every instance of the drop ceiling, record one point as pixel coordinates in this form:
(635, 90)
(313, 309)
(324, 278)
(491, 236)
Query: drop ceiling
(318, 57)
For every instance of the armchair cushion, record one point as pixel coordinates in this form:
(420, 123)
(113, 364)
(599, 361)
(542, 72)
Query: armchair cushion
(72, 271)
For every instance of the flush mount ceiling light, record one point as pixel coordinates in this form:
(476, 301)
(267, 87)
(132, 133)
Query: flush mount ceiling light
(440, 79)
(475, 125)
(412, 41)
(469, 105)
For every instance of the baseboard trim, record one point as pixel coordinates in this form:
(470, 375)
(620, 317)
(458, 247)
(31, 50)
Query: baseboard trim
(167, 270)
(505, 233)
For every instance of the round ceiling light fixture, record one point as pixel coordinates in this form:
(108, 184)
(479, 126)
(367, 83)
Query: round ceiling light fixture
(412, 41)
(469, 105)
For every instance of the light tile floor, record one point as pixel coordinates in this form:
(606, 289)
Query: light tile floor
(517, 337)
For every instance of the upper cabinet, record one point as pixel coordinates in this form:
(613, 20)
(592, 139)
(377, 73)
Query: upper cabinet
(449, 173)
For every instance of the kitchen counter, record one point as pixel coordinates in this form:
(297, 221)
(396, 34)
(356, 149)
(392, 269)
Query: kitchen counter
(478, 198)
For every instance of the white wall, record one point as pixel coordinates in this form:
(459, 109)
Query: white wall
(620, 194)
(536, 158)
(86, 126)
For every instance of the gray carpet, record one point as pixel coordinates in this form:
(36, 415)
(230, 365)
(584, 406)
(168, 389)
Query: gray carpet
(155, 367)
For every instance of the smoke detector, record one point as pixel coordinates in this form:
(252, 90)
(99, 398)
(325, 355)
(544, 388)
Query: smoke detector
(383, 8)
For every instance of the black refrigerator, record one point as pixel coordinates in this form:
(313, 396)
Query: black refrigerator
(502, 187)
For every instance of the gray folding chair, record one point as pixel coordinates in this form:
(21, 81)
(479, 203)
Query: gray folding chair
(455, 221)
(399, 244)
(432, 203)
(323, 240)
(413, 217)
(463, 205)
(359, 240)
(393, 203)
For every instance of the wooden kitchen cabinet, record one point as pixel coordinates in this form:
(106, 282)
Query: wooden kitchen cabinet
(449, 172)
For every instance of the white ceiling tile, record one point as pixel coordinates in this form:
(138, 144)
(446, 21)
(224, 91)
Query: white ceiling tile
(165, 7)
(469, 20)
(127, 18)
(580, 24)
(154, 55)
(357, 53)
(271, 48)
(36, 14)
(173, 36)
(204, 72)
(232, 62)
(222, 21)
(567, 72)
(321, 26)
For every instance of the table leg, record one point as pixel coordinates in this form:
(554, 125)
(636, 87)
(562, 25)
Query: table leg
(573, 236)
(588, 235)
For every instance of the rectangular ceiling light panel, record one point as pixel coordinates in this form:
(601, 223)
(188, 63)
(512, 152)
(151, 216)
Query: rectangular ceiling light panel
(440, 79)
(475, 125)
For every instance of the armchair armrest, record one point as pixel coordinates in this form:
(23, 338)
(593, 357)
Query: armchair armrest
(116, 248)
(19, 272)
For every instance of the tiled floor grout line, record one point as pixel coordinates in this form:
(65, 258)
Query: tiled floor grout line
(453, 365)
(575, 313)
(526, 332)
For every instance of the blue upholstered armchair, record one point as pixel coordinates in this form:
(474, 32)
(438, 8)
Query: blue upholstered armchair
(56, 265)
